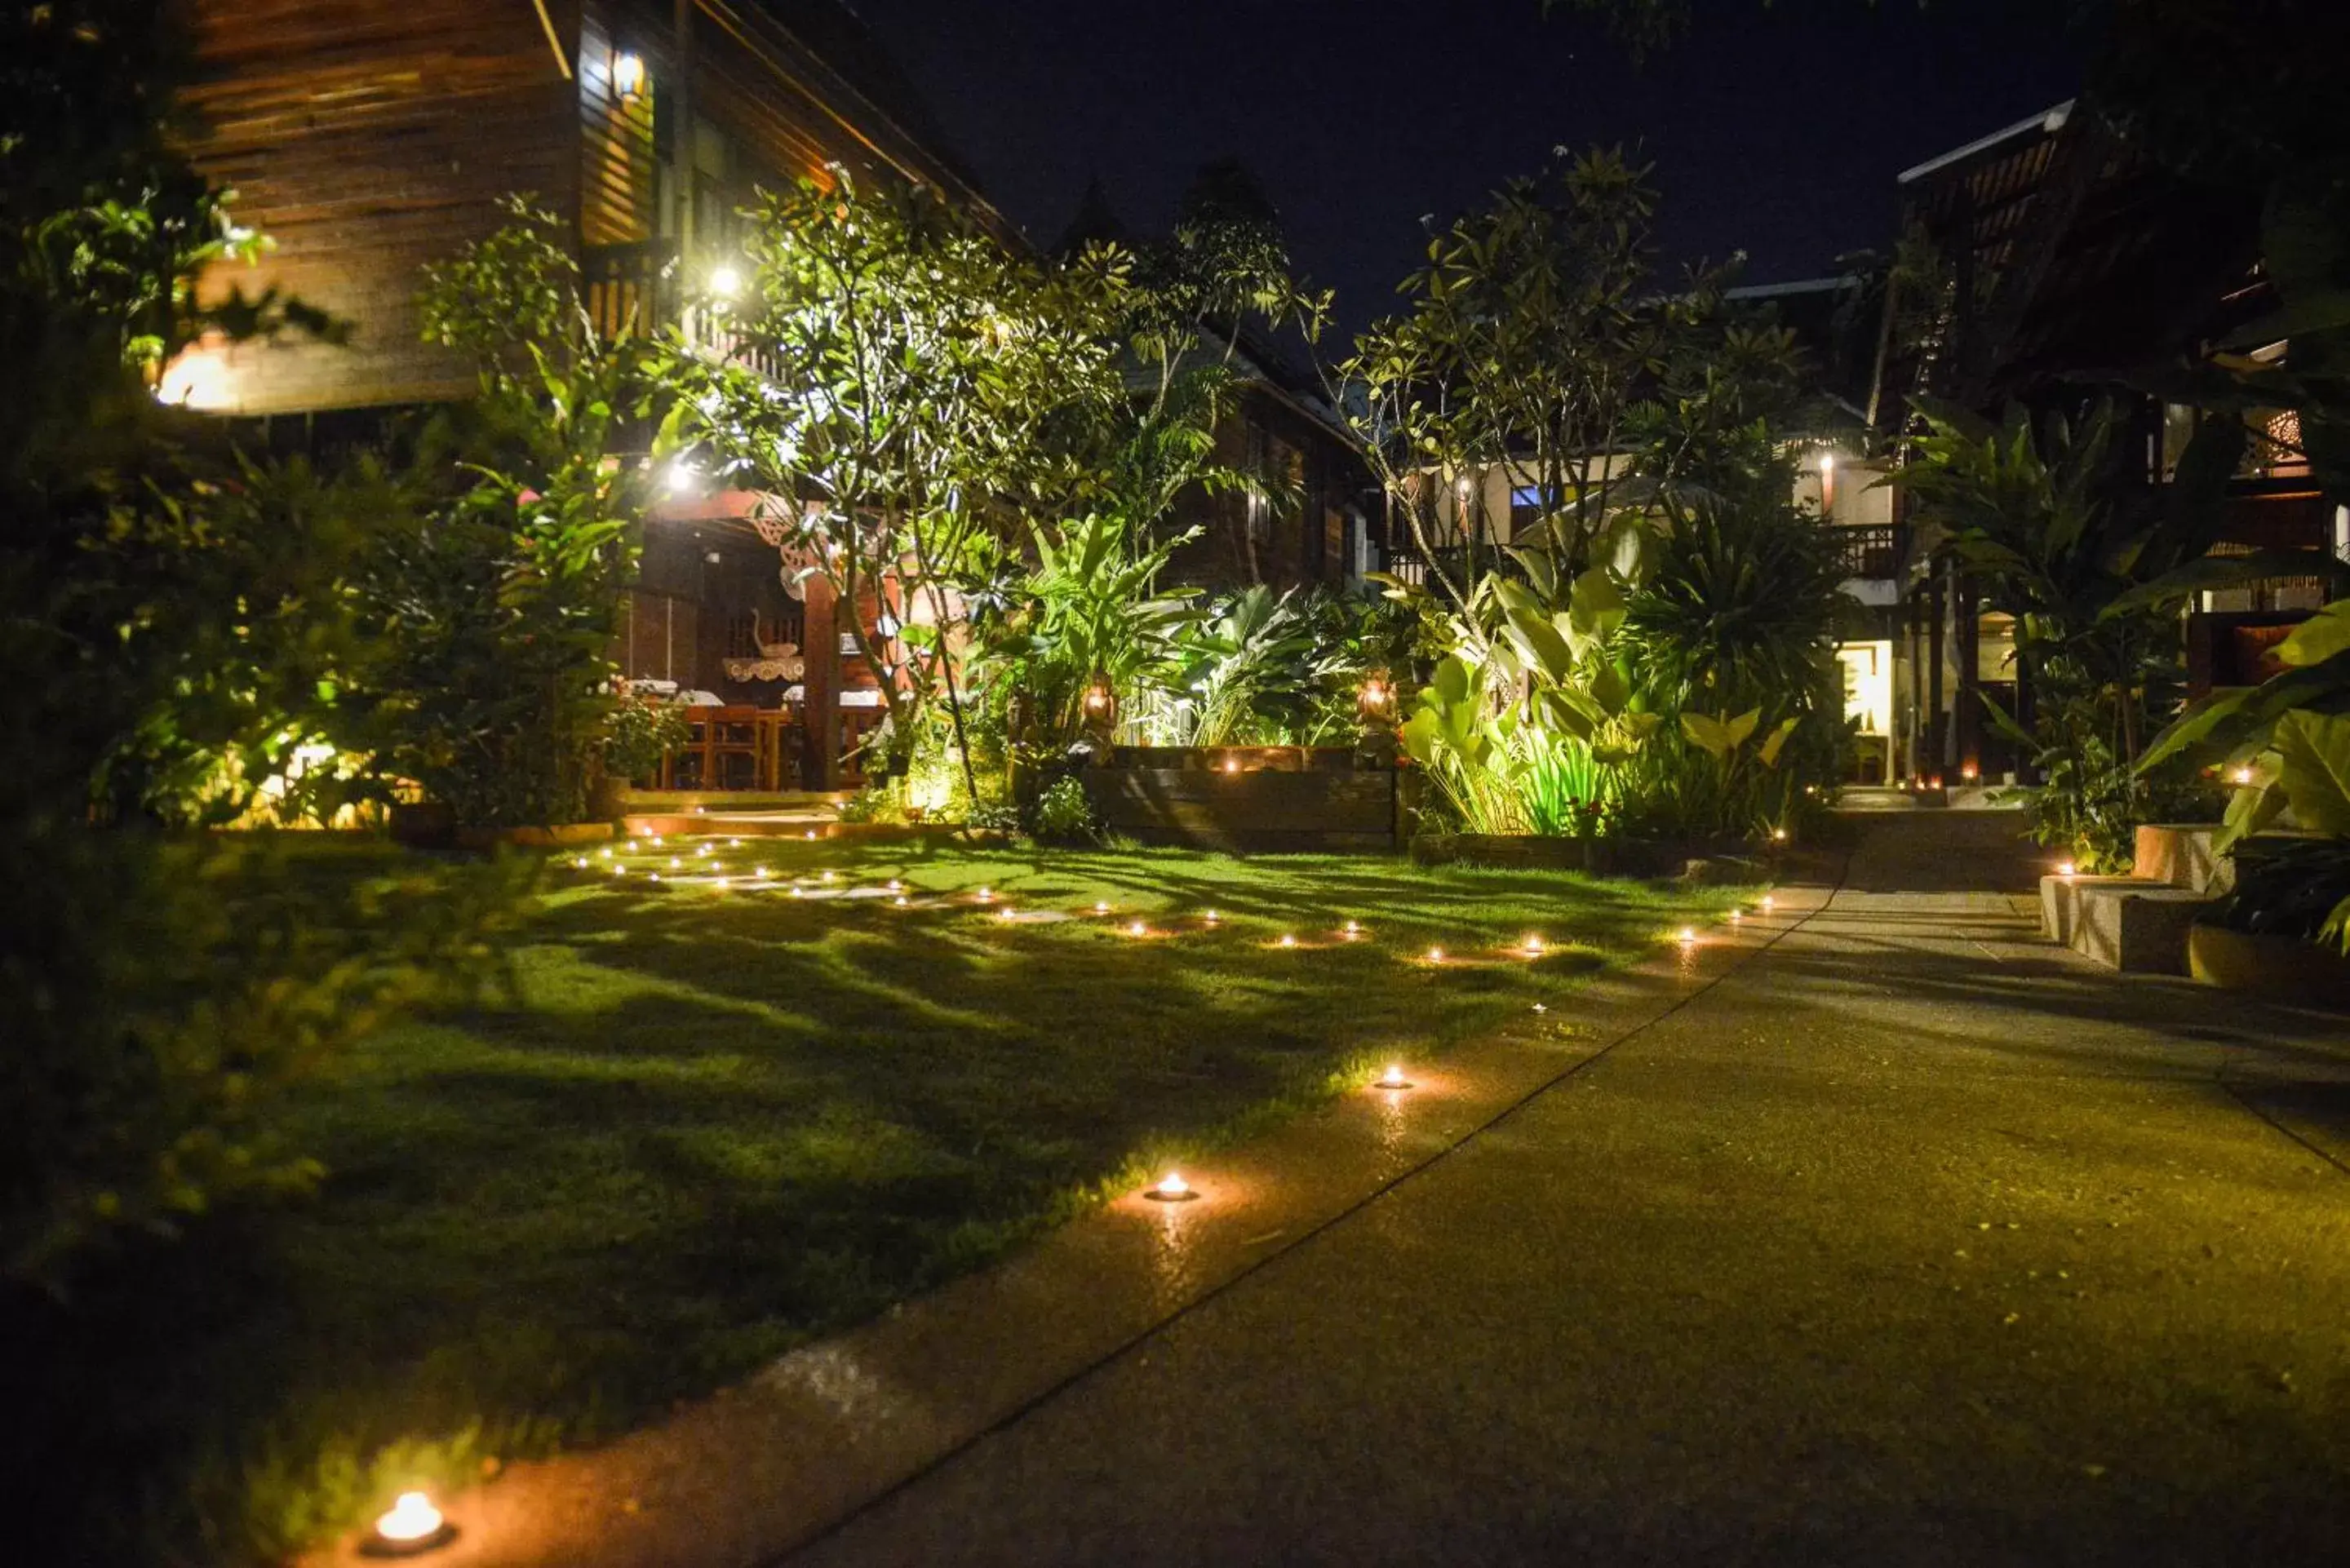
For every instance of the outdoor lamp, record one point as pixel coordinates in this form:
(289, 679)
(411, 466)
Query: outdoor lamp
(899, 900)
(1533, 947)
(1779, 835)
(410, 1528)
(1005, 913)
(653, 876)
(1375, 703)
(1767, 902)
(1100, 702)
(720, 884)
(628, 75)
(1101, 907)
(725, 282)
(1171, 1188)
(1288, 941)
(2063, 868)
(1231, 764)
(2242, 775)
(1137, 929)
(1354, 929)
(1689, 936)
(1210, 916)
(832, 876)
(1969, 772)
(1436, 955)
(894, 884)
(1393, 1077)
(986, 896)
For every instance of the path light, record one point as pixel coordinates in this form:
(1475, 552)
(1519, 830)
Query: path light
(1969, 772)
(1100, 907)
(1375, 702)
(653, 876)
(1767, 902)
(1101, 702)
(701, 811)
(1533, 947)
(580, 862)
(2242, 775)
(1541, 1007)
(1354, 929)
(1171, 1188)
(1689, 936)
(1736, 916)
(1393, 1077)
(1137, 929)
(899, 900)
(895, 884)
(658, 842)
(985, 895)
(1210, 916)
(720, 884)
(1006, 913)
(734, 844)
(411, 1527)
(1436, 955)
(619, 870)
(674, 863)
(798, 892)
(702, 853)
(811, 836)
(606, 852)
(1287, 940)
(1231, 764)
(760, 872)
(1779, 835)
(2063, 868)
(832, 876)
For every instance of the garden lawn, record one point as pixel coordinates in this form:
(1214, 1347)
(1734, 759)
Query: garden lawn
(710, 1123)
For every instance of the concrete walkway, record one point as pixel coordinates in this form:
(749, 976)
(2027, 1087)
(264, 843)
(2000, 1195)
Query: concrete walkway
(1911, 1241)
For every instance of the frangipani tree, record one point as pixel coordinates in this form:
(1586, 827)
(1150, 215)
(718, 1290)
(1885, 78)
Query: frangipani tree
(902, 385)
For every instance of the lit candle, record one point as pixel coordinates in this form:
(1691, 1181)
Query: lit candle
(1172, 1188)
(410, 1526)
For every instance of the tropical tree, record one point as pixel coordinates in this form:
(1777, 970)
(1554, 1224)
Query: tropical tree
(902, 385)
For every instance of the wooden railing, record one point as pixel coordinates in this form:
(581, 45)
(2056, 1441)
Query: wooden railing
(1872, 551)
(636, 288)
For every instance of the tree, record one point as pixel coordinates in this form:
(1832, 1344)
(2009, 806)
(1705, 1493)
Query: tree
(915, 382)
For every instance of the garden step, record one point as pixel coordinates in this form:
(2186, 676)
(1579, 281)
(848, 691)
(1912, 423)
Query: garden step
(2129, 923)
(1875, 798)
(2181, 854)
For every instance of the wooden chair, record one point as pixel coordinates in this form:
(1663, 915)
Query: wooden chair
(732, 733)
(688, 767)
(776, 742)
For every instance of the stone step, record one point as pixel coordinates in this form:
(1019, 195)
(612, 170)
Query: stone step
(2129, 923)
(1877, 797)
(2180, 855)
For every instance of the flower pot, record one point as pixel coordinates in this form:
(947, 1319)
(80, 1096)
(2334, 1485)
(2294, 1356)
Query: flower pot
(2281, 969)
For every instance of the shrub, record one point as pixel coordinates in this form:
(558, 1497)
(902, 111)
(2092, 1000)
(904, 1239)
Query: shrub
(1064, 816)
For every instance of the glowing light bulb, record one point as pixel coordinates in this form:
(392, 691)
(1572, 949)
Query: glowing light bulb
(1006, 914)
(1393, 1077)
(1231, 764)
(1768, 903)
(412, 1525)
(1287, 940)
(760, 872)
(1100, 907)
(1436, 955)
(1689, 936)
(2242, 775)
(1533, 947)
(899, 900)
(1354, 930)
(2064, 868)
(1137, 929)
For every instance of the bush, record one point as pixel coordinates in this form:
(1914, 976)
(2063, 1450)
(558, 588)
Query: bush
(640, 731)
(1064, 816)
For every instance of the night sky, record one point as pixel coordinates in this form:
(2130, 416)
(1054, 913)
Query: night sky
(1777, 129)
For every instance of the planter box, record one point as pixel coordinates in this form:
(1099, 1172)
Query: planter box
(2278, 969)
(1276, 798)
(1642, 858)
(560, 836)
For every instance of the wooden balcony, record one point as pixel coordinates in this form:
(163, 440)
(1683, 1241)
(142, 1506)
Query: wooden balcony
(1872, 552)
(636, 288)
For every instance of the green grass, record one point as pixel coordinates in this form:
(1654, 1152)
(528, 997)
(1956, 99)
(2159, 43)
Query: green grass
(709, 1124)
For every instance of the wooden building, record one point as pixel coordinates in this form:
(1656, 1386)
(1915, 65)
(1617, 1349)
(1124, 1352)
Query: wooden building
(2058, 260)
(368, 140)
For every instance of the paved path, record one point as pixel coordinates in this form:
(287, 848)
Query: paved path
(1914, 1241)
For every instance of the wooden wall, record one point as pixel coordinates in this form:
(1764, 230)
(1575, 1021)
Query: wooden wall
(366, 139)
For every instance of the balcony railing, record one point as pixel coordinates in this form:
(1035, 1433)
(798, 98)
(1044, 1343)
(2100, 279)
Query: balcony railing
(634, 288)
(1872, 551)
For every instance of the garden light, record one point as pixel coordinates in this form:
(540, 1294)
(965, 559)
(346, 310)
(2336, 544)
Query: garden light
(1533, 947)
(1689, 936)
(1436, 955)
(674, 863)
(1393, 1077)
(895, 884)
(984, 895)
(619, 870)
(1137, 929)
(628, 75)
(2064, 868)
(899, 900)
(1101, 702)
(811, 836)
(798, 892)
(1101, 907)
(1287, 940)
(653, 876)
(1541, 1007)
(1006, 914)
(1375, 703)
(720, 884)
(657, 842)
(1354, 929)
(725, 282)
(1171, 1188)
(1970, 772)
(1210, 916)
(1736, 916)
(410, 1528)
(580, 862)
(682, 477)
(1231, 764)
(734, 844)
(760, 872)
(606, 852)
(1767, 902)
(2242, 776)
(1779, 835)
(832, 876)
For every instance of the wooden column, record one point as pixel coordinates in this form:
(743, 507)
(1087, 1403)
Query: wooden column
(1968, 717)
(820, 715)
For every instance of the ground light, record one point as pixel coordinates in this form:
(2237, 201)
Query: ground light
(2064, 868)
(1436, 955)
(410, 1528)
(1779, 835)
(1287, 940)
(760, 872)
(1689, 936)
(832, 877)
(2242, 776)
(720, 884)
(1541, 1007)
(899, 900)
(1171, 1188)
(1210, 916)
(895, 883)
(1354, 929)
(985, 895)
(1736, 916)
(1101, 907)
(1137, 929)
(1393, 1077)
(1767, 902)
(1533, 947)
(1006, 913)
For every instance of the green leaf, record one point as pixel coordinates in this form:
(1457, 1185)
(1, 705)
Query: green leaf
(2318, 639)
(1777, 740)
(2314, 767)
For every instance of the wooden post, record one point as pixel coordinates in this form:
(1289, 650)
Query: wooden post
(820, 714)
(1939, 732)
(1969, 710)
